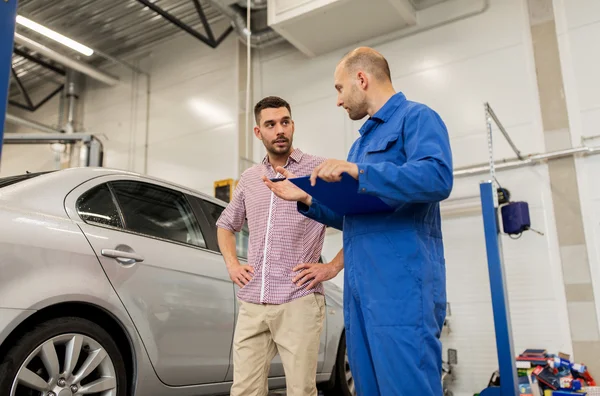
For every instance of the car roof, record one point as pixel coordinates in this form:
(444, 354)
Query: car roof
(181, 187)
(36, 193)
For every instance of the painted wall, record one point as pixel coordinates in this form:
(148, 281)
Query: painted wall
(578, 30)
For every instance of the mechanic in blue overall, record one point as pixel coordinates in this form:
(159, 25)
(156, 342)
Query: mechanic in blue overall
(395, 277)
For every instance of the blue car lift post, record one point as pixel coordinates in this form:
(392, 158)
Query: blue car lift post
(8, 16)
(504, 344)
(500, 307)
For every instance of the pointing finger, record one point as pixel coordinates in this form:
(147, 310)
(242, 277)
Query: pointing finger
(313, 176)
(286, 173)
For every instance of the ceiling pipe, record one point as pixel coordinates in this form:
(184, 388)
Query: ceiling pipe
(261, 39)
(67, 61)
(30, 124)
(530, 160)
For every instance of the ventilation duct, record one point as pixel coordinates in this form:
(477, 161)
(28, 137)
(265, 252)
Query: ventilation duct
(259, 39)
(30, 124)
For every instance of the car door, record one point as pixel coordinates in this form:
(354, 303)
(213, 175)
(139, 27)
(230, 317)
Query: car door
(177, 291)
(213, 211)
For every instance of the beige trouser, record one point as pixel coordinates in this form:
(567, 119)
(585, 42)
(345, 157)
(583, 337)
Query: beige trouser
(292, 329)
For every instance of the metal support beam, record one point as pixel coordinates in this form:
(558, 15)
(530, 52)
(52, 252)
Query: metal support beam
(30, 106)
(210, 40)
(48, 97)
(224, 35)
(8, 17)
(21, 88)
(177, 22)
(490, 114)
(504, 343)
(204, 20)
(39, 61)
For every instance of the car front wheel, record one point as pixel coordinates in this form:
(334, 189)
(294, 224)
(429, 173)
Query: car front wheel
(64, 356)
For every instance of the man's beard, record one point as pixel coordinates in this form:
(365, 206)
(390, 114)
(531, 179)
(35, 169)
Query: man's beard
(272, 148)
(356, 115)
(357, 108)
(356, 112)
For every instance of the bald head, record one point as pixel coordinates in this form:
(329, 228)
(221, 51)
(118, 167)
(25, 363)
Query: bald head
(368, 60)
(363, 82)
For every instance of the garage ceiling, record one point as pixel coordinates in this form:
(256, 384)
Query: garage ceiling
(118, 28)
(114, 27)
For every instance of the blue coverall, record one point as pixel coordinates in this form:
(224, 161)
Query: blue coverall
(394, 268)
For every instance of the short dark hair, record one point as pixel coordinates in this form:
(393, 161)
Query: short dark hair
(270, 102)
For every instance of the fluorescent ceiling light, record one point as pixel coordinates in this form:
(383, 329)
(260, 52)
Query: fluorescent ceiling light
(54, 36)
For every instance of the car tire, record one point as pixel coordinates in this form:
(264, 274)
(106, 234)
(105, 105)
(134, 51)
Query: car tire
(343, 384)
(42, 351)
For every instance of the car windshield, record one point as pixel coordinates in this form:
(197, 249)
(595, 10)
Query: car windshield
(7, 181)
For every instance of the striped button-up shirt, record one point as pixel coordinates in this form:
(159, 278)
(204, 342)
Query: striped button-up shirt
(280, 237)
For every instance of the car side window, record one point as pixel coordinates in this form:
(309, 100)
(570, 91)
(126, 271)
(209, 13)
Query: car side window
(158, 212)
(97, 206)
(241, 238)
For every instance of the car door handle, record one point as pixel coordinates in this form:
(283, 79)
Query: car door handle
(122, 256)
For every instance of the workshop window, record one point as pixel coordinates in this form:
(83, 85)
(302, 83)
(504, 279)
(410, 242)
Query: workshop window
(97, 206)
(158, 212)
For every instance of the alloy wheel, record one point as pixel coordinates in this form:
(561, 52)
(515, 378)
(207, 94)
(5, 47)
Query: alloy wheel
(66, 365)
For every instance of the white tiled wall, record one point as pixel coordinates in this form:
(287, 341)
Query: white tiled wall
(456, 69)
(578, 27)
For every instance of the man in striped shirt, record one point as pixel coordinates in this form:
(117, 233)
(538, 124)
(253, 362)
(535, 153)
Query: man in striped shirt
(276, 314)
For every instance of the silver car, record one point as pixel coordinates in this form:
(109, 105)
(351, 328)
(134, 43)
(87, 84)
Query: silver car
(112, 284)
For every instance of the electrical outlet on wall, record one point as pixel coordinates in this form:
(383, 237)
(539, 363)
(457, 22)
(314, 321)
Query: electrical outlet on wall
(452, 356)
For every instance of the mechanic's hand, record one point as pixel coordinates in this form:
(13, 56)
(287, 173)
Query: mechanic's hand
(241, 274)
(331, 171)
(286, 189)
(314, 272)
